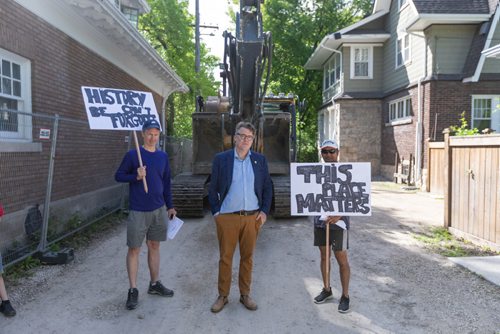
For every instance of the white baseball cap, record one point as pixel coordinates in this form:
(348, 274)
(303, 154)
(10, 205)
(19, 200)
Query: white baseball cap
(329, 143)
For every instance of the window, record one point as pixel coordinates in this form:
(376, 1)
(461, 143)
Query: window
(403, 50)
(400, 109)
(332, 77)
(361, 62)
(486, 112)
(131, 14)
(15, 95)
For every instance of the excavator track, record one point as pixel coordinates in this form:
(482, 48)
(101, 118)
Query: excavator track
(281, 185)
(188, 191)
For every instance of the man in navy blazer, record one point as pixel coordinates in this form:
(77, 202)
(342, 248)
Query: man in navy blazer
(240, 196)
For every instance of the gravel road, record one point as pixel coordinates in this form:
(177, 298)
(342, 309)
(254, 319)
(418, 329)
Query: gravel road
(397, 286)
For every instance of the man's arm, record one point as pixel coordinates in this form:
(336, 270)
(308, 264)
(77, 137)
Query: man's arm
(127, 171)
(267, 190)
(167, 187)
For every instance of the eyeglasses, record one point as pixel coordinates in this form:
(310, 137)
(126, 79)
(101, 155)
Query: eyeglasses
(245, 137)
(329, 151)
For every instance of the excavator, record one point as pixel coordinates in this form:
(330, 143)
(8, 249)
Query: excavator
(246, 70)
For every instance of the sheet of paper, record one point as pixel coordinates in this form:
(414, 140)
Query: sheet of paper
(174, 225)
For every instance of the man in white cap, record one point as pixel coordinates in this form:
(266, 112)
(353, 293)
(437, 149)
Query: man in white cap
(339, 241)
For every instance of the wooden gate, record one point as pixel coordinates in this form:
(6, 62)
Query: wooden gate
(472, 192)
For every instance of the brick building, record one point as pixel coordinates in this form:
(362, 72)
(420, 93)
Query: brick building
(397, 78)
(48, 50)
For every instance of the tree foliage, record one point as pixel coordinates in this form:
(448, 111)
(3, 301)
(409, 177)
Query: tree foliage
(297, 28)
(169, 28)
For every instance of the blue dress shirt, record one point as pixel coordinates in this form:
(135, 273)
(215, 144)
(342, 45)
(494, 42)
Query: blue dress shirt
(241, 194)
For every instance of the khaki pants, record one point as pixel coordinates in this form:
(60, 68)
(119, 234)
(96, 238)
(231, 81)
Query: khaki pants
(231, 229)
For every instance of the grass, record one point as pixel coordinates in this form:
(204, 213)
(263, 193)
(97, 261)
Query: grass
(80, 239)
(440, 241)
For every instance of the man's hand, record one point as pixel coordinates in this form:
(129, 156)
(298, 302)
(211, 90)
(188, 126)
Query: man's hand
(262, 217)
(332, 219)
(141, 173)
(171, 213)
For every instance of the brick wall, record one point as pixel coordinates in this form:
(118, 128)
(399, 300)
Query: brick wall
(59, 67)
(360, 132)
(85, 160)
(442, 103)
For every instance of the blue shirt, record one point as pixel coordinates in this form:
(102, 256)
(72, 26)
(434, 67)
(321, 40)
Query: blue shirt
(241, 194)
(157, 178)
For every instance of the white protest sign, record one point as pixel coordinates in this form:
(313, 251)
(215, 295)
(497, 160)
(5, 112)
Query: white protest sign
(118, 109)
(333, 189)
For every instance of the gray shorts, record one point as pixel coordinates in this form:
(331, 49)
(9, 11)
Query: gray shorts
(149, 224)
(1, 264)
(339, 238)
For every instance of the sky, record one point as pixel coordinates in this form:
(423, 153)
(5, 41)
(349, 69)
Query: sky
(213, 13)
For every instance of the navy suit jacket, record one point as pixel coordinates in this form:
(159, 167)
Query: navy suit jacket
(222, 176)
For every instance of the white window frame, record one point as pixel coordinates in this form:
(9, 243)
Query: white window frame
(494, 117)
(330, 69)
(402, 4)
(405, 40)
(400, 110)
(24, 122)
(369, 49)
(131, 14)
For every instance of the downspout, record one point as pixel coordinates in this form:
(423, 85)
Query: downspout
(164, 122)
(419, 128)
(419, 135)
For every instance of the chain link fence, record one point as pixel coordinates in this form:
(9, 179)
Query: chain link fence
(58, 178)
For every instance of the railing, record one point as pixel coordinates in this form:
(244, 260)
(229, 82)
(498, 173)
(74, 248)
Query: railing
(62, 179)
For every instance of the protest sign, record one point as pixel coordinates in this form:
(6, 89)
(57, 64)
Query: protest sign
(118, 109)
(333, 189)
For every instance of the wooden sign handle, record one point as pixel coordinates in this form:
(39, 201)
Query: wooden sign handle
(327, 262)
(140, 161)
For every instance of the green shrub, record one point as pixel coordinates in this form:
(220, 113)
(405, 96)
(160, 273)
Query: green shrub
(463, 129)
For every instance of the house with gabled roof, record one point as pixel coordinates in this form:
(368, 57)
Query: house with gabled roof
(49, 49)
(397, 78)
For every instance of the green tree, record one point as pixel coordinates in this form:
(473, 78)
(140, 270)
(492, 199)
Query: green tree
(169, 29)
(297, 28)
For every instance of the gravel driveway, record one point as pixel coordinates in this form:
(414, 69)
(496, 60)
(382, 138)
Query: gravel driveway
(397, 286)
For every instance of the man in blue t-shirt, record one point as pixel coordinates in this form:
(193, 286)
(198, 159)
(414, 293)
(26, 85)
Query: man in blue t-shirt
(339, 241)
(149, 210)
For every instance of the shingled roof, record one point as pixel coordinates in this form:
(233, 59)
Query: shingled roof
(453, 6)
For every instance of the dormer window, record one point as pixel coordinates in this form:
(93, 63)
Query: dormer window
(128, 10)
(132, 15)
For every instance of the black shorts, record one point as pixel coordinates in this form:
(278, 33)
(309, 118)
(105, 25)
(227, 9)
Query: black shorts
(339, 238)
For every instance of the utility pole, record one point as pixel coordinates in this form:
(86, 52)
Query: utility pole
(197, 45)
(197, 37)
(197, 49)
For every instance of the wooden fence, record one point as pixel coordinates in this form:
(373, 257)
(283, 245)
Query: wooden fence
(472, 187)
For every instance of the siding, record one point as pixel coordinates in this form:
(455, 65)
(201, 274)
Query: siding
(404, 75)
(363, 85)
(449, 46)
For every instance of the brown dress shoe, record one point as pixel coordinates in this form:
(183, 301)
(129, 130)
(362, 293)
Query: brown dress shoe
(248, 302)
(219, 304)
